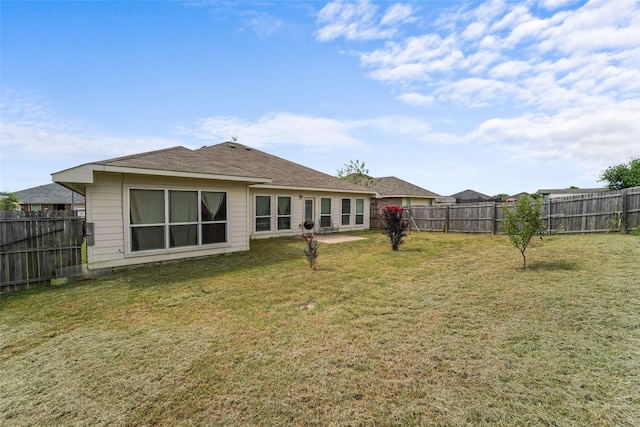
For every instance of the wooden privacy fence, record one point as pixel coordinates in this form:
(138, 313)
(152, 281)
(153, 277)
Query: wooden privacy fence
(616, 211)
(36, 247)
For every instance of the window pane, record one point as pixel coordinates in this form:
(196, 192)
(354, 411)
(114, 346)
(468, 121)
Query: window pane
(147, 206)
(147, 238)
(325, 206)
(183, 206)
(284, 205)
(263, 205)
(214, 233)
(263, 224)
(325, 221)
(359, 211)
(346, 206)
(214, 206)
(284, 223)
(308, 210)
(183, 235)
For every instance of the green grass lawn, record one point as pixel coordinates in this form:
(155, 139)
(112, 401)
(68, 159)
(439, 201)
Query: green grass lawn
(449, 330)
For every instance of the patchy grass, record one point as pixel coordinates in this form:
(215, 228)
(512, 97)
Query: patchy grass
(449, 330)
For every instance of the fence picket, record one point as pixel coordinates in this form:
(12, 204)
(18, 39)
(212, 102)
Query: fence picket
(36, 247)
(616, 211)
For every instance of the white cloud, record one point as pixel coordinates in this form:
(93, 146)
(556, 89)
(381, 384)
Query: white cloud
(317, 133)
(360, 20)
(416, 99)
(397, 13)
(598, 134)
(32, 130)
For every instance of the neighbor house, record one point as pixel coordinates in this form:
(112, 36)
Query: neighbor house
(50, 197)
(177, 203)
(395, 191)
(471, 196)
(565, 192)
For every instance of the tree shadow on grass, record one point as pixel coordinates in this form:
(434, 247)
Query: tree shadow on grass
(552, 265)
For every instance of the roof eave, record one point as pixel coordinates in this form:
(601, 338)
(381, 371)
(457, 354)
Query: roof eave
(84, 174)
(316, 189)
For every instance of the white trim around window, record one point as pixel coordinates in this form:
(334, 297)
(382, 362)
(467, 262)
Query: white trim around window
(172, 219)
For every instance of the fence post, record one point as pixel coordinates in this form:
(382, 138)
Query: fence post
(446, 219)
(623, 213)
(495, 218)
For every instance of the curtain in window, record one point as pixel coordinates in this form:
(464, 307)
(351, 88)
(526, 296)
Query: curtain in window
(284, 213)
(147, 206)
(183, 206)
(214, 206)
(284, 205)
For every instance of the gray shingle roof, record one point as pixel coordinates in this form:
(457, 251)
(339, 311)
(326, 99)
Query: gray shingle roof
(470, 195)
(180, 159)
(390, 186)
(48, 194)
(283, 173)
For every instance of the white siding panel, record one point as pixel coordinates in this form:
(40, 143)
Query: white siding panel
(107, 201)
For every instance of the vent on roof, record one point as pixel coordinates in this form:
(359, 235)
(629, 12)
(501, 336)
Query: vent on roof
(232, 146)
(247, 148)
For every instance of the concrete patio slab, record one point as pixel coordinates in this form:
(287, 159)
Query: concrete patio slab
(335, 238)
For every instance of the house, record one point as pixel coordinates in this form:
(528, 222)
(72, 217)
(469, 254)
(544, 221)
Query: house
(471, 196)
(395, 191)
(514, 198)
(564, 192)
(177, 203)
(51, 197)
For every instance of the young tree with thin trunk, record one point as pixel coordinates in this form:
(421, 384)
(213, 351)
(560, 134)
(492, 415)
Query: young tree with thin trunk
(522, 221)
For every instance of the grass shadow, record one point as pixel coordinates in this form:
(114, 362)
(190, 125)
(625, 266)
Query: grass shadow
(553, 265)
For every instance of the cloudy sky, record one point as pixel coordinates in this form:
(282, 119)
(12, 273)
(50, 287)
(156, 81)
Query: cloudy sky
(495, 96)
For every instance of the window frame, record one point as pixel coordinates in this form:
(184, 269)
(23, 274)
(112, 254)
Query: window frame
(359, 215)
(324, 215)
(257, 217)
(282, 217)
(167, 223)
(345, 216)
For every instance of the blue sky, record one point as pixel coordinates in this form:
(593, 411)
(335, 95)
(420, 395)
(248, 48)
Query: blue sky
(495, 96)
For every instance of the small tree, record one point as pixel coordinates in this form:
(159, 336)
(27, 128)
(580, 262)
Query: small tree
(9, 203)
(356, 173)
(393, 225)
(522, 221)
(311, 249)
(622, 176)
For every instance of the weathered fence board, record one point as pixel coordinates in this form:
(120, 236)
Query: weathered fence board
(36, 247)
(616, 211)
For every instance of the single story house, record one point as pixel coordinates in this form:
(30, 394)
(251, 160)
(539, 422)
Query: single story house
(395, 191)
(565, 192)
(472, 196)
(177, 203)
(50, 197)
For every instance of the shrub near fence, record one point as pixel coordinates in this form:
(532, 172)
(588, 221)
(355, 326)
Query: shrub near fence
(616, 211)
(36, 247)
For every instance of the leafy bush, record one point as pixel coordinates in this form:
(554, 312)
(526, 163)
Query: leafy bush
(522, 221)
(393, 225)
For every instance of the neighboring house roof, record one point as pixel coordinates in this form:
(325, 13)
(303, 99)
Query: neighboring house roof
(282, 173)
(390, 186)
(571, 191)
(49, 194)
(471, 195)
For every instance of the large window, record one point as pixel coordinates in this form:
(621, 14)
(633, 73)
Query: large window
(325, 212)
(359, 211)
(161, 219)
(263, 213)
(346, 211)
(284, 213)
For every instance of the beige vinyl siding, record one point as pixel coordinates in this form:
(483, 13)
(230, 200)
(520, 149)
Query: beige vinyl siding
(297, 211)
(107, 208)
